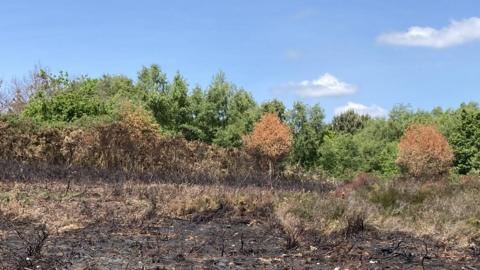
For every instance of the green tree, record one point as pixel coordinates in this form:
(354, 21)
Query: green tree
(308, 131)
(110, 86)
(76, 101)
(180, 107)
(153, 83)
(197, 127)
(274, 105)
(218, 96)
(152, 79)
(241, 117)
(399, 119)
(340, 155)
(377, 149)
(466, 139)
(160, 105)
(349, 122)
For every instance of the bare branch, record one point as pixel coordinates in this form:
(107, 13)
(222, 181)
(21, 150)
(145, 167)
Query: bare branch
(5, 98)
(25, 88)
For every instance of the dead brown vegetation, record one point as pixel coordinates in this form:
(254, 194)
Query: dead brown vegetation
(247, 226)
(270, 140)
(130, 145)
(133, 149)
(424, 152)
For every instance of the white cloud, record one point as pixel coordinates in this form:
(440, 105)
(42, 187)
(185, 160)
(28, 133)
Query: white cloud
(373, 110)
(326, 85)
(457, 33)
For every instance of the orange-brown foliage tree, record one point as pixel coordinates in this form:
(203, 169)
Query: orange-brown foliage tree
(270, 140)
(424, 152)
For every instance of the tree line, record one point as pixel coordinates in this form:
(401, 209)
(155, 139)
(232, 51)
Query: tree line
(223, 114)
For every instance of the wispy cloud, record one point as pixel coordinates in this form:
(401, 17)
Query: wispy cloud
(294, 54)
(326, 85)
(373, 110)
(457, 33)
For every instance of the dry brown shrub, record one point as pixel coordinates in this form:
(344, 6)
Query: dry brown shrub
(271, 140)
(48, 146)
(28, 144)
(424, 152)
(132, 145)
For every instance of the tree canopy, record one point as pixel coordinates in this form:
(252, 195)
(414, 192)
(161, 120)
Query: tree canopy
(222, 113)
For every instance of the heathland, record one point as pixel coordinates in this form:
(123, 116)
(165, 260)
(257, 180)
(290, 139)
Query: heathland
(116, 173)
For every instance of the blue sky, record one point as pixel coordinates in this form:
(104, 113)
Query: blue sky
(368, 55)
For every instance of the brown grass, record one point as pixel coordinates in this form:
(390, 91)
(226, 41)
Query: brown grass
(448, 212)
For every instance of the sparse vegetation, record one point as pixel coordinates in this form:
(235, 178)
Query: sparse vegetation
(299, 221)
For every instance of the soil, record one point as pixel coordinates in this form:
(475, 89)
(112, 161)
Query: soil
(220, 243)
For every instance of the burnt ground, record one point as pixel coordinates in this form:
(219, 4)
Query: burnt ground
(217, 243)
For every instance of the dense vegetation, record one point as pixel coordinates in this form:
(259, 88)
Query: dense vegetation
(222, 114)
